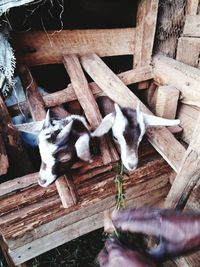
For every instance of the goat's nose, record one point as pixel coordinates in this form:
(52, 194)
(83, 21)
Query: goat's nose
(41, 181)
(132, 166)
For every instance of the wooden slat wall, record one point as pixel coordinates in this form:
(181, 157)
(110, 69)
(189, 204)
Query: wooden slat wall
(38, 48)
(188, 50)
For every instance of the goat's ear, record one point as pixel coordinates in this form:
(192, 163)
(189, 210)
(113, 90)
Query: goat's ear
(47, 121)
(151, 120)
(104, 126)
(82, 146)
(64, 132)
(31, 127)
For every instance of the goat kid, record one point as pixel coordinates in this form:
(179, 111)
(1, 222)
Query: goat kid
(61, 143)
(128, 128)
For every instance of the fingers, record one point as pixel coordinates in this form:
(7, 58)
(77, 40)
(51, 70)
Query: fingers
(120, 255)
(144, 220)
(103, 258)
(179, 232)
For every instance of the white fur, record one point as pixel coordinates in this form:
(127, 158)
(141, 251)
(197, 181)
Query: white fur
(83, 148)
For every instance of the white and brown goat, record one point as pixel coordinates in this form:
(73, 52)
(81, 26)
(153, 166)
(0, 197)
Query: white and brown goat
(61, 143)
(128, 128)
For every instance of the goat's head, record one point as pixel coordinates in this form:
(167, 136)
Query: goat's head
(128, 127)
(61, 142)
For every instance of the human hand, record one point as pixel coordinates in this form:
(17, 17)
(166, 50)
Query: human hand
(178, 232)
(114, 254)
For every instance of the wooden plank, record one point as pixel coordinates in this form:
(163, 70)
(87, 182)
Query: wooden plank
(188, 118)
(189, 173)
(18, 158)
(39, 47)
(91, 222)
(185, 78)
(88, 103)
(160, 137)
(166, 101)
(3, 157)
(191, 7)
(192, 26)
(193, 46)
(4, 250)
(68, 94)
(37, 109)
(145, 31)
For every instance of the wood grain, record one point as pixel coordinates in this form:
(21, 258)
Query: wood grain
(39, 47)
(189, 173)
(185, 78)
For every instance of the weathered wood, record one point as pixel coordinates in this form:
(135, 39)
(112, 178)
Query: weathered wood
(66, 190)
(160, 138)
(192, 26)
(34, 48)
(18, 183)
(89, 215)
(5, 252)
(145, 31)
(37, 109)
(189, 173)
(3, 157)
(88, 103)
(166, 101)
(34, 99)
(17, 155)
(188, 118)
(192, 45)
(68, 94)
(185, 78)
(191, 7)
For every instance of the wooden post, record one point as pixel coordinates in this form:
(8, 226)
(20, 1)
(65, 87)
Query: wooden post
(87, 102)
(188, 175)
(185, 78)
(37, 108)
(188, 116)
(18, 158)
(166, 101)
(145, 31)
(163, 141)
(164, 104)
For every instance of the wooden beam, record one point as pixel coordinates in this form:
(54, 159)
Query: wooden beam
(160, 137)
(191, 7)
(189, 173)
(186, 79)
(145, 31)
(37, 109)
(189, 44)
(68, 94)
(188, 118)
(18, 158)
(165, 101)
(3, 157)
(39, 47)
(192, 26)
(88, 103)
